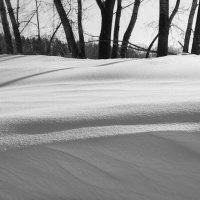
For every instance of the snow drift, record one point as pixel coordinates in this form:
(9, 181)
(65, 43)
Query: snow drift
(48, 102)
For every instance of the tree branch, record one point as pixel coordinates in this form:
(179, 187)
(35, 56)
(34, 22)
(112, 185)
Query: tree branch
(100, 4)
(174, 11)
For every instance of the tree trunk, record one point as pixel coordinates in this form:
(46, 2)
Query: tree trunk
(189, 26)
(18, 40)
(17, 13)
(196, 39)
(129, 30)
(67, 28)
(115, 48)
(80, 30)
(6, 28)
(151, 45)
(174, 12)
(106, 8)
(170, 21)
(38, 21)
(38, 47)
(163, 29)
(51, 39)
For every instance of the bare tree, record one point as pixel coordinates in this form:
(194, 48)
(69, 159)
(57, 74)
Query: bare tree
(6, 28)
(51, 39)
(106, 8)
(189, 26)
(68, 29)
(80, 30)
(27, 22)
(130, 28)
(170, 22)
(196, 39)
(163, 28)
(17, 13)
(38, 21)
(115, 48)
(18, 40)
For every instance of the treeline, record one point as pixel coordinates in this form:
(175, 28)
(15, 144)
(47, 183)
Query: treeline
(31, 46)
(105, 46)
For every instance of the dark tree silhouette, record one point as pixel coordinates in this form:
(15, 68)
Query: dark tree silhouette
(115, 48)
(68, 29)
(129, 30)
(163, 28)
(18, 40)
(38, 21)
(106, 8)
(80, 30)
(6, 28)
(17, 13)
(189, 26)
(170, 22)
(196, 39)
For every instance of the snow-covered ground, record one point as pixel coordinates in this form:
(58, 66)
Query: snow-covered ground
(151, 108)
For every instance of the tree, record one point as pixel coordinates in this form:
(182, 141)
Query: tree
(129, 30)
(163, 28)
(38, 21)
(80, 30)
(39, 42)
(189, 26)
(68, 29)
(6, 28)
(51, 39)
(170, 22)
(18, 40)
(17, 13)
(106, 8)
(196, 39)
(115, 48)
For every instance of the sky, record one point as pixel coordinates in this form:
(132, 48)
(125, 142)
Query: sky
(144, 31)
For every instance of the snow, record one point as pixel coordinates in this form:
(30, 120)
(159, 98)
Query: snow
(51, 106)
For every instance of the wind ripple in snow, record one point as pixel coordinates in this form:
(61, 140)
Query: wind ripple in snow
(21, 140)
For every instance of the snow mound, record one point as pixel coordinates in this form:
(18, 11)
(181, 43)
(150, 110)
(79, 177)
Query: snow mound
(49, 99)
(50, 105)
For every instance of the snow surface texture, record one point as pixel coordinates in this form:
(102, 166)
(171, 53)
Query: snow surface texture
(46, 101)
